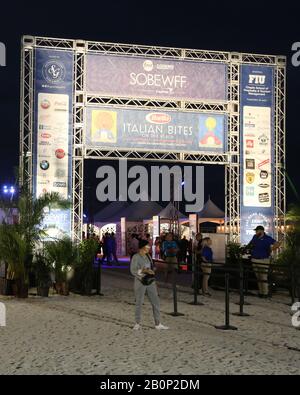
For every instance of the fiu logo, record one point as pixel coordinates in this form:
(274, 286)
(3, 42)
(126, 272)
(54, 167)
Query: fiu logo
(257, 79)
(2, 55)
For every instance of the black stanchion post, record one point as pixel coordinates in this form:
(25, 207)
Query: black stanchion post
(98, 290)
(292, 282)
(297, 285)
(195, 281)
(174, 287)
(227, 325)
(242, 301)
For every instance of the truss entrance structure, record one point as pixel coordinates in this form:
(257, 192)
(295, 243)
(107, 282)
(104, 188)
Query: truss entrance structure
(231, 107)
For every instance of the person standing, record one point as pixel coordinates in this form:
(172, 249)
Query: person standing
(157, 247)
(261, 247)
(206, 261)
(113, 247)
(104, 247)
(141, 265)
(184, 244)
(170, 249)
(133, 245)
(150, 241)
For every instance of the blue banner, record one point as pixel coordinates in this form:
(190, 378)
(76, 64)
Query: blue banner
(257, 150)
(52, 154)
(157, 130)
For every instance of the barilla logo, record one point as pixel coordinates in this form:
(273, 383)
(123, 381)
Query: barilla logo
(2, 314)
(2, 55)
(158, 117)
(45, 135)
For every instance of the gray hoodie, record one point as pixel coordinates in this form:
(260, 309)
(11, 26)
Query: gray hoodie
(138, 263)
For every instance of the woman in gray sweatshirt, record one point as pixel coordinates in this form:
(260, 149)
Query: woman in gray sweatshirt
(140, 265)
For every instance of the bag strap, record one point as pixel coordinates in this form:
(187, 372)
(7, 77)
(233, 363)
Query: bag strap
(151, 261)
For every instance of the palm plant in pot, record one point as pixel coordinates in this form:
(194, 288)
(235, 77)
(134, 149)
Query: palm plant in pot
(13, 250)
(42, 269)
(84, 268)
(289, 258)
(18, 241)
(63, 255)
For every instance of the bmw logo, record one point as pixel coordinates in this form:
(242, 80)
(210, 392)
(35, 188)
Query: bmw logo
(44, 165)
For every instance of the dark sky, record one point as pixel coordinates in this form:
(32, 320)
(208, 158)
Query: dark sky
(250, 27)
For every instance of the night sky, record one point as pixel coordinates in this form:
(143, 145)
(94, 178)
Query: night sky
(255, 27)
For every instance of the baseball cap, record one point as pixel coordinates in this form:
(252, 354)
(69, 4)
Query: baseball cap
(143, 243)
(259, 227)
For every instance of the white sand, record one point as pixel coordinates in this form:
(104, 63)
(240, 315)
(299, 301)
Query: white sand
(93, 335)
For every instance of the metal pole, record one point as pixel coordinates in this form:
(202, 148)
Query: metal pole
(195, 281)
(227, 325)
(99, 272)
(174, 287)
(292, 283)
(242, 298)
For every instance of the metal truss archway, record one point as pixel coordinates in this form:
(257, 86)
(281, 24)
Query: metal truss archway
(231, 107)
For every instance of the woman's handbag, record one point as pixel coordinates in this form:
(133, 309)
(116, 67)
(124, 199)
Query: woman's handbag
(148, 278)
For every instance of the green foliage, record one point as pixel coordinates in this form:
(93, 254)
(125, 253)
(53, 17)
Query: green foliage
(42, 268)
(84, 268)
(63, 255)
(14, 251)
(18, 241)
(290, 255)
(234, 252)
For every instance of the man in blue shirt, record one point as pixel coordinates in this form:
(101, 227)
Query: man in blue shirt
(261, 247)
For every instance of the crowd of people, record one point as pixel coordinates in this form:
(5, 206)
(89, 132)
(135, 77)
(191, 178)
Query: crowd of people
(175, 251)
(172, 250)
(107, 248)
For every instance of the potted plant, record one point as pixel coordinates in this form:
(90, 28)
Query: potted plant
(18, 240)
(42, 269)
(63, 255)
(13, 249)
(84, 267)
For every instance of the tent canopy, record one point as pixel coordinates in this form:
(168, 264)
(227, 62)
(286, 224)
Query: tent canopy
(110, 212)
(140, 210)
(135, 212)
(210, 210)
(170, 211)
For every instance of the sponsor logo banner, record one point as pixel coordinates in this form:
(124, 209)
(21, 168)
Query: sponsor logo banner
(53, 137)
(139, 77)
(155, 130)
(257, 149)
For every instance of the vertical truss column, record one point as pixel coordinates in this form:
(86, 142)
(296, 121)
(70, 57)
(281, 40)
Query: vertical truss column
(232, 170)
(279, 125)
(78, 126)
(26, 112)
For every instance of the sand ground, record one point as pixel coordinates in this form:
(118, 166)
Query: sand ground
(93, 335)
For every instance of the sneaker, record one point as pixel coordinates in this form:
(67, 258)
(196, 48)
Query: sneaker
(161, 327)
(137, 327)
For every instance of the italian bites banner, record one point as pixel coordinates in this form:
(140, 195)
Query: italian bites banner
(155, 130)
(53, 133)
(257, 150)
(140, 77)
